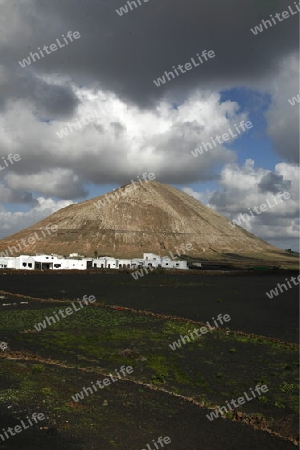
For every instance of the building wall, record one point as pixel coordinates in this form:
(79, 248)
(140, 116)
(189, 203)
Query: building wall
(25, 262)
(7, 263)
(99, 263)
(51, 262)
(125, 263)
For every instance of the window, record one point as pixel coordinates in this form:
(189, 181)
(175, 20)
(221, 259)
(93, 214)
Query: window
(57, 266)
(29, 264)
(24, 264)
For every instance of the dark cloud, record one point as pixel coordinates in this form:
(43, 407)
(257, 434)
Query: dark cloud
(273, 183)
(124, 54)
(56, 101)
(49, 100)
(8, 195)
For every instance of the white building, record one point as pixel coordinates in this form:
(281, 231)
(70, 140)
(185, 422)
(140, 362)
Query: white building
(56, 262)
(169, 263)
(106, 262)
(7, 262)
(44, 262)
(20, 262)
(124, 263)
(165, 262)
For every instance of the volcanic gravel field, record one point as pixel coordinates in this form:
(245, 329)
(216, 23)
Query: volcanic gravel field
(169, 392)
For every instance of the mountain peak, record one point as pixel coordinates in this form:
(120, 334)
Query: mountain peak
(136, 218)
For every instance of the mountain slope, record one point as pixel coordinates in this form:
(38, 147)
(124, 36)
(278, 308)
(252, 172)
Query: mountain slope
(147, 217)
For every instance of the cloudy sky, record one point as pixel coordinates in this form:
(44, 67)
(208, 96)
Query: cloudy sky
(103, 81)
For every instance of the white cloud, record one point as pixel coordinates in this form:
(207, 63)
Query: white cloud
(244, 187)
(119, 143)
(203, 197)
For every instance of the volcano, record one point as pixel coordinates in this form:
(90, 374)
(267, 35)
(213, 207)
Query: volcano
(152, 217)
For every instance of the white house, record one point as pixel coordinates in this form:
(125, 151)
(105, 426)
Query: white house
(7, 262)
(169, 263)
(19, 262)
(25, 262)
(44, 262)
(56, 262)
(124, 263)
(150, 259)
(105, 262)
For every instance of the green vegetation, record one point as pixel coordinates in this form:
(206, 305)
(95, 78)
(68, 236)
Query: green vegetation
(104, 339)
(38, 368)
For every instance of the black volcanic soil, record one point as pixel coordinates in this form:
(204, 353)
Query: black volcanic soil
(197, 297)
(125, 413)
(50, 366)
